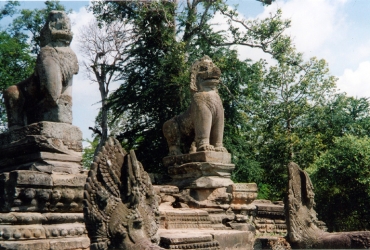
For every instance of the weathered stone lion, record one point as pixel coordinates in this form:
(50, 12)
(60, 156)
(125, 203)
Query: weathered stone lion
(203, 121)
(47, 94)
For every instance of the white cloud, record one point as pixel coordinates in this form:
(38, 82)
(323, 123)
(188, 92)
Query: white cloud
(85, 93)
(362, 52)
(314, 22)
(317, 27)
(356, 82)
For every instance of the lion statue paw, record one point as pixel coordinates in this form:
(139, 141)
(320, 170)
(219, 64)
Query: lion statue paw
(221, 149)
(206, 148)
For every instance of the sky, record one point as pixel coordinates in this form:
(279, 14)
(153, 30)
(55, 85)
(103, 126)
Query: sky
(334, 30)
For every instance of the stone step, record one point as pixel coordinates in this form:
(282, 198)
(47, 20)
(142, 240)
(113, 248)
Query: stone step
(78, 243)
(206, 156)
(206, 239)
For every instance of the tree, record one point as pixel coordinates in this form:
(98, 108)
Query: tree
(340, 116)
(288, 92)
(341, 177)
(16, 64)
(104, 49)
(89, 152)
(169, 38)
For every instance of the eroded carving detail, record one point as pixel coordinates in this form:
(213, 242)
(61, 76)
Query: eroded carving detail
(47, 94)
(121, 208)
(303, 226)
(203, 121)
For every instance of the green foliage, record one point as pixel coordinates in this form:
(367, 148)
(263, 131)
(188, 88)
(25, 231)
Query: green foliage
(273, 114)
(155, 79)
(152, 79)
(88, 152)
(285, 95)
(341, 177)
(15, 60)
(16, 64)
(9, 9)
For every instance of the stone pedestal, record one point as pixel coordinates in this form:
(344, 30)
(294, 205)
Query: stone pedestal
(41, 188)
(44, 146)
(204, 180)
(201, 170)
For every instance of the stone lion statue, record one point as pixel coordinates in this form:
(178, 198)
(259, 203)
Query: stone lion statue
(47, 94)
(203, 121)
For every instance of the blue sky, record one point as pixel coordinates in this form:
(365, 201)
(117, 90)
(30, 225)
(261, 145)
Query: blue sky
(335, 30)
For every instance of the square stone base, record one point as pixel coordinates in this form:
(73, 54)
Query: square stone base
(205, 156)
(44, 146)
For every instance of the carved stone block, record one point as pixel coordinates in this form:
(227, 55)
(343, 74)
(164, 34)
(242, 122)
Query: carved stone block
(188, 240)
(243, 194)
(185, 218)
(165, 189)
(199, 169)
(70, 135)
(21, 218)
(270, 209)
(205, 156)
(16, 232)
(233, 239)
(80, 243)
(24, 190)
(44, 146)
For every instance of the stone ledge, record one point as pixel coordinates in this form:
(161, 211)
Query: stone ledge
(26, 218)
(205, 156)
(202, 182)
(42, 161)
(34, 191)
(38, 231)
(215, 239)
(45, 244)
(165, 189)
(56, 130)
(199, 169)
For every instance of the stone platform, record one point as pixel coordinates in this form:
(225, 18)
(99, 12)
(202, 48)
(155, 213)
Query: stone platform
(203, 156)
(41, 188)
(247, 225)
(44, 146)
(206, 239)
(200, 170)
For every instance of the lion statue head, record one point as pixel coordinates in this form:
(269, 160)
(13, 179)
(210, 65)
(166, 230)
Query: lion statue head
(57, 30)
(205, 75)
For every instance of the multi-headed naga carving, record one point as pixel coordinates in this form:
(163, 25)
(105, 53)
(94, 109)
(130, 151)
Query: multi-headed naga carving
(121, 208)
(47, 94)
(204, 119)
(303, 226)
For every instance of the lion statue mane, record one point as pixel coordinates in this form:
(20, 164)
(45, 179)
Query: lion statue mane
(47, 94)
(203, 121)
